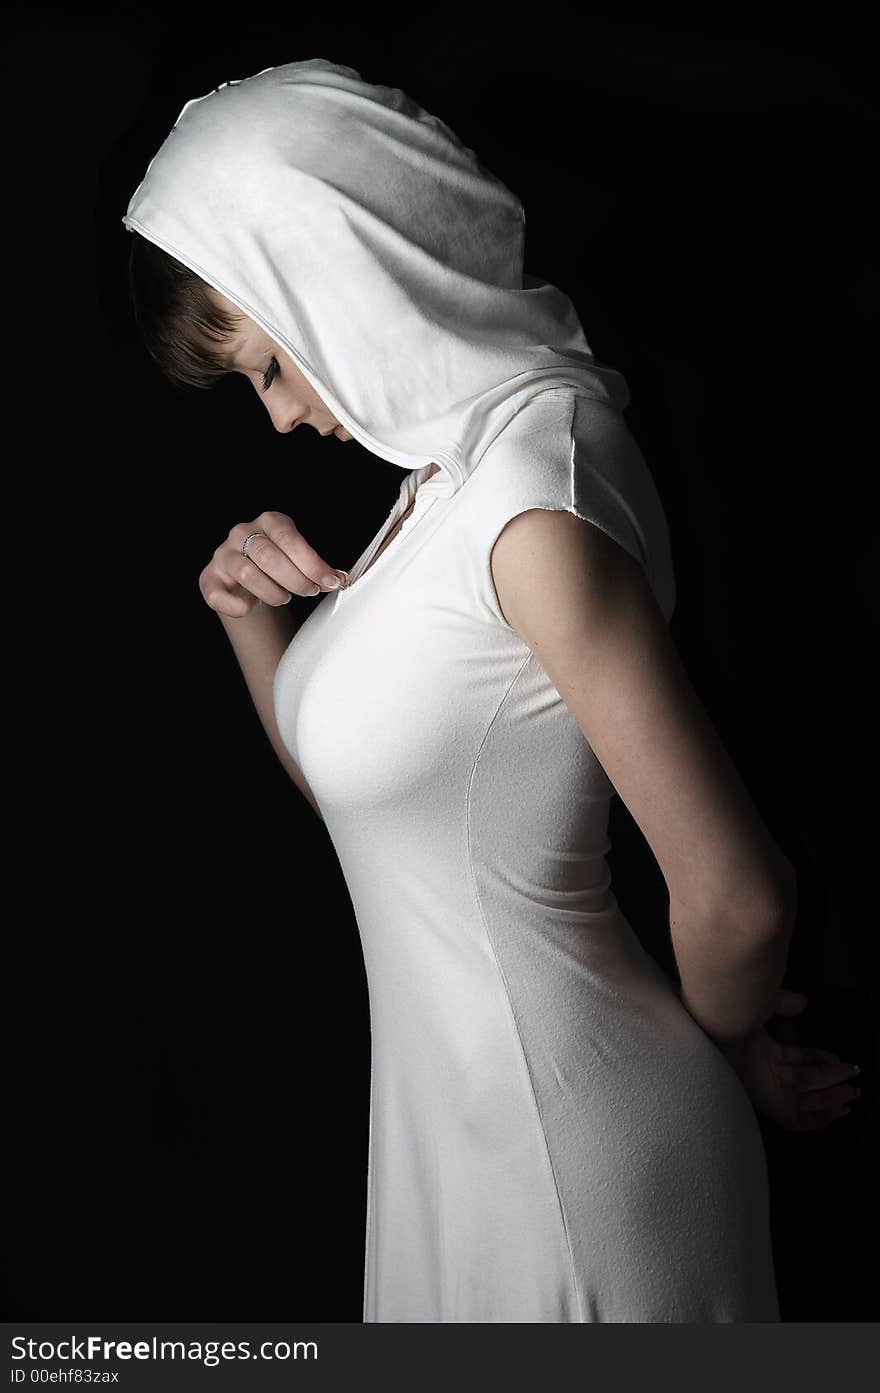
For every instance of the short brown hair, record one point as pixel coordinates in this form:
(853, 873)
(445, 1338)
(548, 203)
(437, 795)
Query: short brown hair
(176, 318)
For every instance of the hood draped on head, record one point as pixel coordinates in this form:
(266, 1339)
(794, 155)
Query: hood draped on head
(363, 236)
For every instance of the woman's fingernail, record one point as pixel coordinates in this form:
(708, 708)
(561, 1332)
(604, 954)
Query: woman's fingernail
(331, 582)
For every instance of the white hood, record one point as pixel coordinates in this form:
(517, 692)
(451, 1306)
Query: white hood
(369, 242)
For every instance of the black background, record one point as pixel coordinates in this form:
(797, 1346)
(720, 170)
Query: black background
(188, 1012)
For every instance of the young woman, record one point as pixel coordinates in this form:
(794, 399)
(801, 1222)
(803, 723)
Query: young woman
(557, 1133)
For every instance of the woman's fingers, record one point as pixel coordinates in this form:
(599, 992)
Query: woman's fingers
(820, 1084)
(222, 594)
(285, 556)
(808, 1122)
(266, 571)
(255, 573)
(810, 1088)
(818, 1100)
(810, 1054)
(279, 563)
(811, 1068)
(822, 1075)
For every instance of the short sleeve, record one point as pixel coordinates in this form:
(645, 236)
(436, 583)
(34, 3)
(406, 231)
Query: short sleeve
(565, 451)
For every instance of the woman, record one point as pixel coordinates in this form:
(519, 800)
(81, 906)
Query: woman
(556, 1133)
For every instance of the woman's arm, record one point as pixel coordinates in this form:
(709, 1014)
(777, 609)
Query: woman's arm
(585, 608)
(259, 639)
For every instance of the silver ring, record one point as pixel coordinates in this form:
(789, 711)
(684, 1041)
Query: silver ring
(248, 538)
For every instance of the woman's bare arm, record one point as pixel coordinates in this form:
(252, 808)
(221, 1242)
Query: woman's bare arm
(585, 608)
(259, 639)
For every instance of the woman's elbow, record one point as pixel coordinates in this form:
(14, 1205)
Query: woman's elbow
(747, 905)
(769, 907)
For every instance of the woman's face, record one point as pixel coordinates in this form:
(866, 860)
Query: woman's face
(289, 398)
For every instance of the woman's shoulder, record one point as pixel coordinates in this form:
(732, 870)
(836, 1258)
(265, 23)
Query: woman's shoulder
(566, 451)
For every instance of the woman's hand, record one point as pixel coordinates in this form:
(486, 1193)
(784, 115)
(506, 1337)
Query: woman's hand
(277, 566)
(797, 1088)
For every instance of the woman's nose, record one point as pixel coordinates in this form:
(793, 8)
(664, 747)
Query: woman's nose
(286, 421)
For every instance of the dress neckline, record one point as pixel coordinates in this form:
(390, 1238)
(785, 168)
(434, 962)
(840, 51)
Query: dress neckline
(419, 486)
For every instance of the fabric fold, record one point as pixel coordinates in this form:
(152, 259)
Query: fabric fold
(370, 242)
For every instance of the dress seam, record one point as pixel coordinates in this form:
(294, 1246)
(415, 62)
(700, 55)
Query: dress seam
(507, 995)
(368, 1246)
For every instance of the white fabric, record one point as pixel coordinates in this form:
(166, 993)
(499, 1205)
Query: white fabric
(552, 1136)
(369, 242)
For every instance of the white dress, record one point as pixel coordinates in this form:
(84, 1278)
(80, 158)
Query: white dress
(552, 1136)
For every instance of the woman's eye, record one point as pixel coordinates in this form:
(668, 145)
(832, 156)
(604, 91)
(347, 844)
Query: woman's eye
(269, 375)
